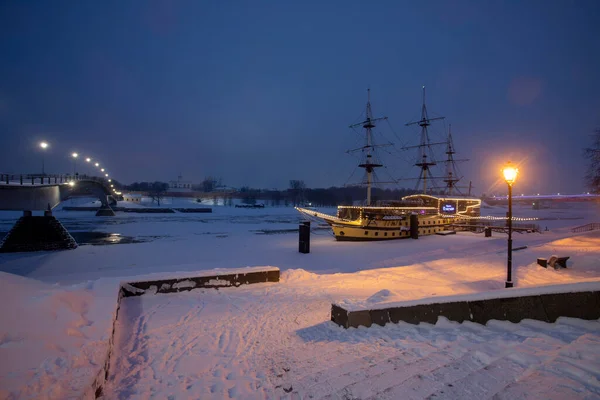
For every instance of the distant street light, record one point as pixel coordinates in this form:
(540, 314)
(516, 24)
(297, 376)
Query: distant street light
(44, 146)
(97, 165)
(510, 173)
(102, 169)
(75, 155)
(106, 175)
(88, 159)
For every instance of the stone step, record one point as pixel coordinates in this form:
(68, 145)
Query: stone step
(388, 376)
(482, 383)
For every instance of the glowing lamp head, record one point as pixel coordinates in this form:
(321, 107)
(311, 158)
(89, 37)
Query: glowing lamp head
(97, 165)
(102, 169)
(75, 155)
(71, 183)
(106, 175)
(88, 159)
(510, 173)
(44, 145)
(110, 180)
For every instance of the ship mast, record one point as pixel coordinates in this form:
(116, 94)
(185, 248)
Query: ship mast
(451, 177)
(369, 164)
(425, 145)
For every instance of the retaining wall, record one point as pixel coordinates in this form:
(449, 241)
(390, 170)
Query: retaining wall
(206, 279)
(543, 307)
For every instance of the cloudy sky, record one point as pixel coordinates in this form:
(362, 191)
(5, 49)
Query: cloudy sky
(261, 92)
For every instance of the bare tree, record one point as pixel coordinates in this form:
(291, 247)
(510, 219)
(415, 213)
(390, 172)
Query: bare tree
(157, 191)
(209, 184)
(592, 154)
(297, 191)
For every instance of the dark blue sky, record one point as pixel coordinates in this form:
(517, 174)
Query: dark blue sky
(259, 93)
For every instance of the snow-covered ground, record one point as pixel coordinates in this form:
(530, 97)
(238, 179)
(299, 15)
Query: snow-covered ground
(272, 341)
(57, 312)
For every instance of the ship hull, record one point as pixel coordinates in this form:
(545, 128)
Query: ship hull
(387, 230)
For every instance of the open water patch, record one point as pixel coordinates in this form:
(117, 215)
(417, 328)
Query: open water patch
(105, 238)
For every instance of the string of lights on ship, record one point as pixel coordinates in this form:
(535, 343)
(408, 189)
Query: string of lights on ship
(463, 216)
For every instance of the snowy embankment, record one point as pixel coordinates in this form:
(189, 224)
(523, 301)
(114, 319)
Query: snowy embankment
(270, 341)
(53, 339)
(54, 336)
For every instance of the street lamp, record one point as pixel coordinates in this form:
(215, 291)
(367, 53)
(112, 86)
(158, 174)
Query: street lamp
(510, 173)
(97, 165)
(75, 155)
(44, 146)
(102, 169)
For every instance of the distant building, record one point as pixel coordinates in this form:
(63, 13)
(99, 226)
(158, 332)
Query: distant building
(180, 185)
(133, 197)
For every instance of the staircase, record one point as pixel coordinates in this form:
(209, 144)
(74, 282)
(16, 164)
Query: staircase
(497, 361)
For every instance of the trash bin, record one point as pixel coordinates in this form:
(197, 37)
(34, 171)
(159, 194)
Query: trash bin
(304, 237)
(414, 226)
(488, 231)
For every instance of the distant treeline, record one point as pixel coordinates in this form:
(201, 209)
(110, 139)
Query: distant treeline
(296, 194)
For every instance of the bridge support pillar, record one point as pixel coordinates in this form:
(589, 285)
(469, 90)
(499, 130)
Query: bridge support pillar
(105, 211)
(37, 234)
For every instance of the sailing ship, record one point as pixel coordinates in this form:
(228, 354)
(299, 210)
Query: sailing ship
(432, 213)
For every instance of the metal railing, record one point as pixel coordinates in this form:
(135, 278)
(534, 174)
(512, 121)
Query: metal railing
(45, 179)
(497, 226)
(587, 227)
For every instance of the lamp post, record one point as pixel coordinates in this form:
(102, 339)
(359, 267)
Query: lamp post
(44, 146)
(88, 160)
(510, 173)
(75, 155)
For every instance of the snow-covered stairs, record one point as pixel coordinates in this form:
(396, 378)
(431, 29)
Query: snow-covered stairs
(519, 356)
(257, 344)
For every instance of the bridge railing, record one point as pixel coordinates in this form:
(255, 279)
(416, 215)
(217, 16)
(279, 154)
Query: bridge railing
(46, 179)
(586, 228)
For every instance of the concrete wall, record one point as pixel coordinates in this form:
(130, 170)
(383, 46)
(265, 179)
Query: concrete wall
(40, 197)
(32, 198)
(543, 307)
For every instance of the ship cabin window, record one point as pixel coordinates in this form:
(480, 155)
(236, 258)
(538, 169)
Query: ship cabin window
(385, 234)
(393, 233)
(366, 232)
(376, 233)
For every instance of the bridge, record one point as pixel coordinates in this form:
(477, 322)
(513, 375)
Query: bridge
(35, 192)
(542, 199)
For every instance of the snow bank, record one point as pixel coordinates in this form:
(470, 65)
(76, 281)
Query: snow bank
(53, 339)
(377, 301)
